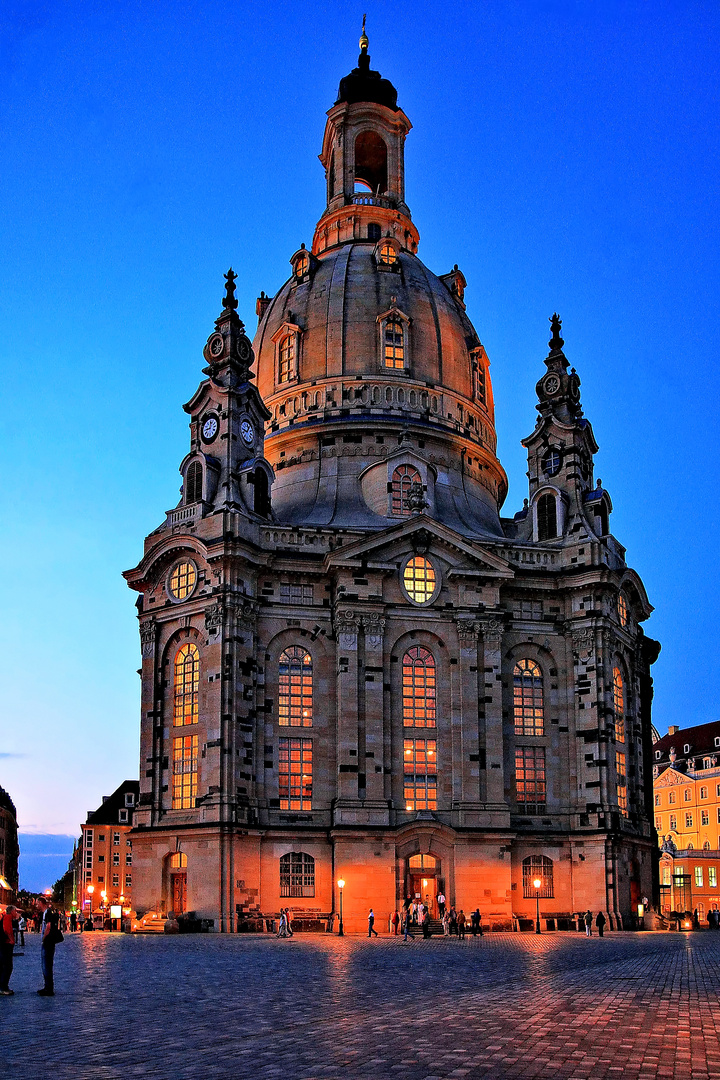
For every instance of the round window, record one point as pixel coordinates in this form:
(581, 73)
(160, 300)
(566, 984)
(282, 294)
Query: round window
(182, 580)
(420, 579)
(551, 463)
(622, 609)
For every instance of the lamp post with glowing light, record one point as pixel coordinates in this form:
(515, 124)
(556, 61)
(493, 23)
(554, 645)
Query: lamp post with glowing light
(90, 890)
(538, 885)
(341, 886)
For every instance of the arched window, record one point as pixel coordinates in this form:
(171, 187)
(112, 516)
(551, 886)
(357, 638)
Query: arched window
(286, 359)
(602, 527)
(528, 708)
(371, 161)
(297, 874)
(302, 266)
(178, 861)
(261, 497)
(295, 705)
(618, 705)
(193, 483)
(422, 862)
(418, 675)
(547, 517)
(387, 255)
(706, 845)
(186, 683)
(393, 344)
(622, 609)
(402, 480)
(538, 868)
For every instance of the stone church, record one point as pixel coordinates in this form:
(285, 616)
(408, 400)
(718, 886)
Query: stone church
(353, 667)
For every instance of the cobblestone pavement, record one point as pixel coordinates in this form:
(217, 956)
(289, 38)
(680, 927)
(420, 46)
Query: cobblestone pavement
(507, 1005)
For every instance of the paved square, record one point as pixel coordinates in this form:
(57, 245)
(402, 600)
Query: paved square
(507, 1005)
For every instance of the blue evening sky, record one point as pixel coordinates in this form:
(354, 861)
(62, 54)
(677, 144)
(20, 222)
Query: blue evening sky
(564, 154)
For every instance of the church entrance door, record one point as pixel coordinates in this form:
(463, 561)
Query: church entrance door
(179, 893)
(425, 889)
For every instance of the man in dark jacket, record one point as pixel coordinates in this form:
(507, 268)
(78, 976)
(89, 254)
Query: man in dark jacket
(48, 941)
(7, 944)
(600, 923)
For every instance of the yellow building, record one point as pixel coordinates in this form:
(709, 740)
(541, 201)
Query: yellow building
(687, 787)
(106, 855)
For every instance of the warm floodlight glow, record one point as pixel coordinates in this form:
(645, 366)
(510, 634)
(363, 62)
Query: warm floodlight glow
(537, 882)
(91, 889)
(341, 883)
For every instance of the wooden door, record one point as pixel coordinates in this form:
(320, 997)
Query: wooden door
(179, 891)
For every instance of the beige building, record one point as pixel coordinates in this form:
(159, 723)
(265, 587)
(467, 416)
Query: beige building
(105, 853)
(353, 668)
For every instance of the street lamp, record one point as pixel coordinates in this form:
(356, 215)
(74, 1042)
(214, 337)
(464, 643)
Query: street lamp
(538, 885)
(341, 886)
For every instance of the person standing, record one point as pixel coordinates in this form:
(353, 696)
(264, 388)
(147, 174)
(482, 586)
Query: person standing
(395, 922)
(371, 924)
(475, 922)
(73, 922)
(588, 922)
(22, 927)
(288, 921)
(282, 925)
(49, 934)
(441, 904)
(453, 922)
(461, 924)
(426, 923)
(420, 912)
(407, 924)
(600, 923)
(7, 944)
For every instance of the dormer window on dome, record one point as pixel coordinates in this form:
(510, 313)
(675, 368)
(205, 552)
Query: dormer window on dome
(303, 264)
(287, 347)
(394, 326)
(387, 254)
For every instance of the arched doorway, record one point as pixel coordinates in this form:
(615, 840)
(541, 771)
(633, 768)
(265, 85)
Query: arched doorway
(422, 880)
(178, 883)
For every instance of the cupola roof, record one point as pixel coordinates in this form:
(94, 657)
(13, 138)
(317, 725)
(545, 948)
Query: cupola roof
(362, 84)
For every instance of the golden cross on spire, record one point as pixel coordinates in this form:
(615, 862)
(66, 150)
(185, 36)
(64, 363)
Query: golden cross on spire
(363, 37)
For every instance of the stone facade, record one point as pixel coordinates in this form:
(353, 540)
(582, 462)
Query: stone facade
(9, 850)
(104, 856)
(347, 654)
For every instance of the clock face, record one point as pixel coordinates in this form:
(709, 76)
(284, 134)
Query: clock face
(248, 432)
(216, 345)
(243, 349)
(551, 384)
(209, 429)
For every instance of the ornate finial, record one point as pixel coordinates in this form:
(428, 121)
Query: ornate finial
(229, 302)
(556, 342)
(415, 499)
(363, 37)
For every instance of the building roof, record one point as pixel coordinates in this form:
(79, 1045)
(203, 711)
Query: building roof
(107, 812)
(362, 84)
(6, 802)
(700, 739)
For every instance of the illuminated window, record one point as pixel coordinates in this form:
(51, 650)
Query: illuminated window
(707, 763)
(704, 817)
(422, 862)
(187, 683)
(712, 877)
(116, 879)
(128, 881)
(706, 845)
(116, 838)
(178, 860)
(688, 821)
(530, 779)
(286, 359)
(666, 875)
(621, 782)
(538, 867)
(699, 876)
(622, 609)
(418, 675)
(295, 692)
(658, 824)
(688, 794)
(673, 823)
(193, 483)
(419, 579)
(295, 774)
(185, 762)
(618, 705)
(393, 344)
(402, 480)
(297, 874)
(657, 800)
(302, 266)
(528, 698)
(387, 254)
(420, 769)
(671, 798)
(182, 580)
(547, 517)
(703, 793)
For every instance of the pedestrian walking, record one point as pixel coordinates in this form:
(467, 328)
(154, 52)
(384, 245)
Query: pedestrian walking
(288, 921)
(7, 944)
(73, 922)
(453, 922)
(588, 922)
(22, 928)
(441, 904)
(407, 925)
(49, 937)
(282, 930)
(479, 923)
(395, 922)
(600, 923)
(426, 923)
(461, 924)
(371, 924)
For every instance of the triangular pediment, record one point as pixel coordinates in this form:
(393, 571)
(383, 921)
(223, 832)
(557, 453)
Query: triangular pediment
(435, 534)
(672, 778)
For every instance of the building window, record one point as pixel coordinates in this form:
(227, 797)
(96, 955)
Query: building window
(534, 867)
(707, 763)
(704, 817)
(128, 843)
(302, 267)
(116, 838)
(393, 344)
(551, 463)
(296, 594)
(178, 860)
(712, 877)
(420, 774)
(547, 517)
(122, 816)
(182, 580)
(621, 783)
(295, 692)
(193, 483)
(619, 705)
(699, 876)
(688, 794)
(658, 824)
(686, 748)
(688, 821)
(101, 837)
(665, 872)
(419, 579)
(185, 763)
(657, 800)
(402, 480)
(703, 793)
(374, 232)
(706, 845)
(622, 609)
(671, 798)
(673, 823)
(128, 881)
(295, 774)
(530, 779)
(187, 685)
(297, 874)
(128, 858)
(286, 359)
(418, 675)
(116, 858)
(101, 858)
(528, 707)
(387, 254)
(116, 880)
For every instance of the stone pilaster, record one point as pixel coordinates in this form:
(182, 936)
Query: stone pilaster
(492, 632)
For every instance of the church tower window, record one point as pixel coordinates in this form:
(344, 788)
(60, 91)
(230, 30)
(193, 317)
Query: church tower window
(419, 701)
(402, 480)
(185, 762)
(530, 787)
(419, 580)
(528, 708)
(420, 774)
(374, 231)
(622, 609)
(193, 483)
(182, 581)
(295, 760)
(551, 463)
(547, 517)
(286, 359)
(295, 696)
(186, 684)
(619, 705)
(371, 161)
(394, 344)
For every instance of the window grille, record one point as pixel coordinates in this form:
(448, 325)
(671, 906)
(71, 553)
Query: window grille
(296, 594)
(187, 684)
(286, 359)
(402, 480)
(547, 517)
(622, 609)
(619, 705)
(295, 767)
(419, 700)
(419, 579)
(534, 867)
(528, 707)
(297, 874)
(394, 343)
(295, 691)
(530, 787)
(621, 783)
(420, 774)
(185, 762)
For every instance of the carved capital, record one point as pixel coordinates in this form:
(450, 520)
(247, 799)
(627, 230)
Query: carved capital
(347, 622)
(492, 632)
(214, 617)
(147, 638)
(583, 639)
(374, 627)
(468, 631)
